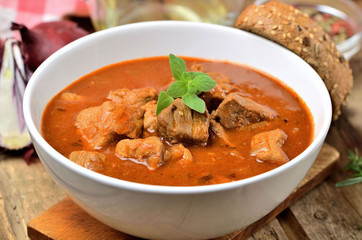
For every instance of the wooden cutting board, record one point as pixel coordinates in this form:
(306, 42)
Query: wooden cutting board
(65, 220)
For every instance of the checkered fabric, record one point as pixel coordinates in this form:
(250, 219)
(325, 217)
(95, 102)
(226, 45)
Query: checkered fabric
(32, 12)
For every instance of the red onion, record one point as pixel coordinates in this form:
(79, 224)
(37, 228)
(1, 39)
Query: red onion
(45, 38)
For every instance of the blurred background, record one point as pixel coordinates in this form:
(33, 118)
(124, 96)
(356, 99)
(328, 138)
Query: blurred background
(108, 13)
(342, 19)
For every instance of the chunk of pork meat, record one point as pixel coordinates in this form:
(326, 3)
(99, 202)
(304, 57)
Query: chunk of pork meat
(215, 96)
(178, 123)
(88, 159)
(237, 111)
(149, 118)
(196, 68)
(103, 124)
(266, 146)
(69, 96)
(147, 151)
(181, 154)
(220, 132)
(133, 97)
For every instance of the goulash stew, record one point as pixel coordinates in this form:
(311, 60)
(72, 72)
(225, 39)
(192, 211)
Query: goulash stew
(106, 122)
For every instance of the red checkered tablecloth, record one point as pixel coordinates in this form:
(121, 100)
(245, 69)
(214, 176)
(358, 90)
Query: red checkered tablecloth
(32, 12)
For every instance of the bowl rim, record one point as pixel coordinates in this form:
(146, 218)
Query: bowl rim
(148, 188)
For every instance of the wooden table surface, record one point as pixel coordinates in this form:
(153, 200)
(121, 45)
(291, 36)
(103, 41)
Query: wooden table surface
(326, 212)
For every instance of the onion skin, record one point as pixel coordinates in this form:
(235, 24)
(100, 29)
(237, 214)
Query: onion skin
(1, 50)
(14, 76)
(45, 38)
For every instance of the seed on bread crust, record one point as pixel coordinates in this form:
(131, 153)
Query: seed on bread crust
(300, 34)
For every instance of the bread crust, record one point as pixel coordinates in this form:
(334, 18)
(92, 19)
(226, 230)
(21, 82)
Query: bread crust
(289, 27)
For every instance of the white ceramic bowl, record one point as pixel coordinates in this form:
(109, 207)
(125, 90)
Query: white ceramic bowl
(163, 212)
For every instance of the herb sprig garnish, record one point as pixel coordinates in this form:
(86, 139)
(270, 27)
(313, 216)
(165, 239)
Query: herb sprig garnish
(188, 86)
(354, 164)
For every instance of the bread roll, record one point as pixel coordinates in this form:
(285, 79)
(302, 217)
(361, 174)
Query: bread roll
(294, 30)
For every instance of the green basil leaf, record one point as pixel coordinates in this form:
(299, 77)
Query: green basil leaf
(178, 66)
(186, 76)
(195, 74)
(191, 89)
(164, 100)
(177, 89)
(204, 83)
(194, 102)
